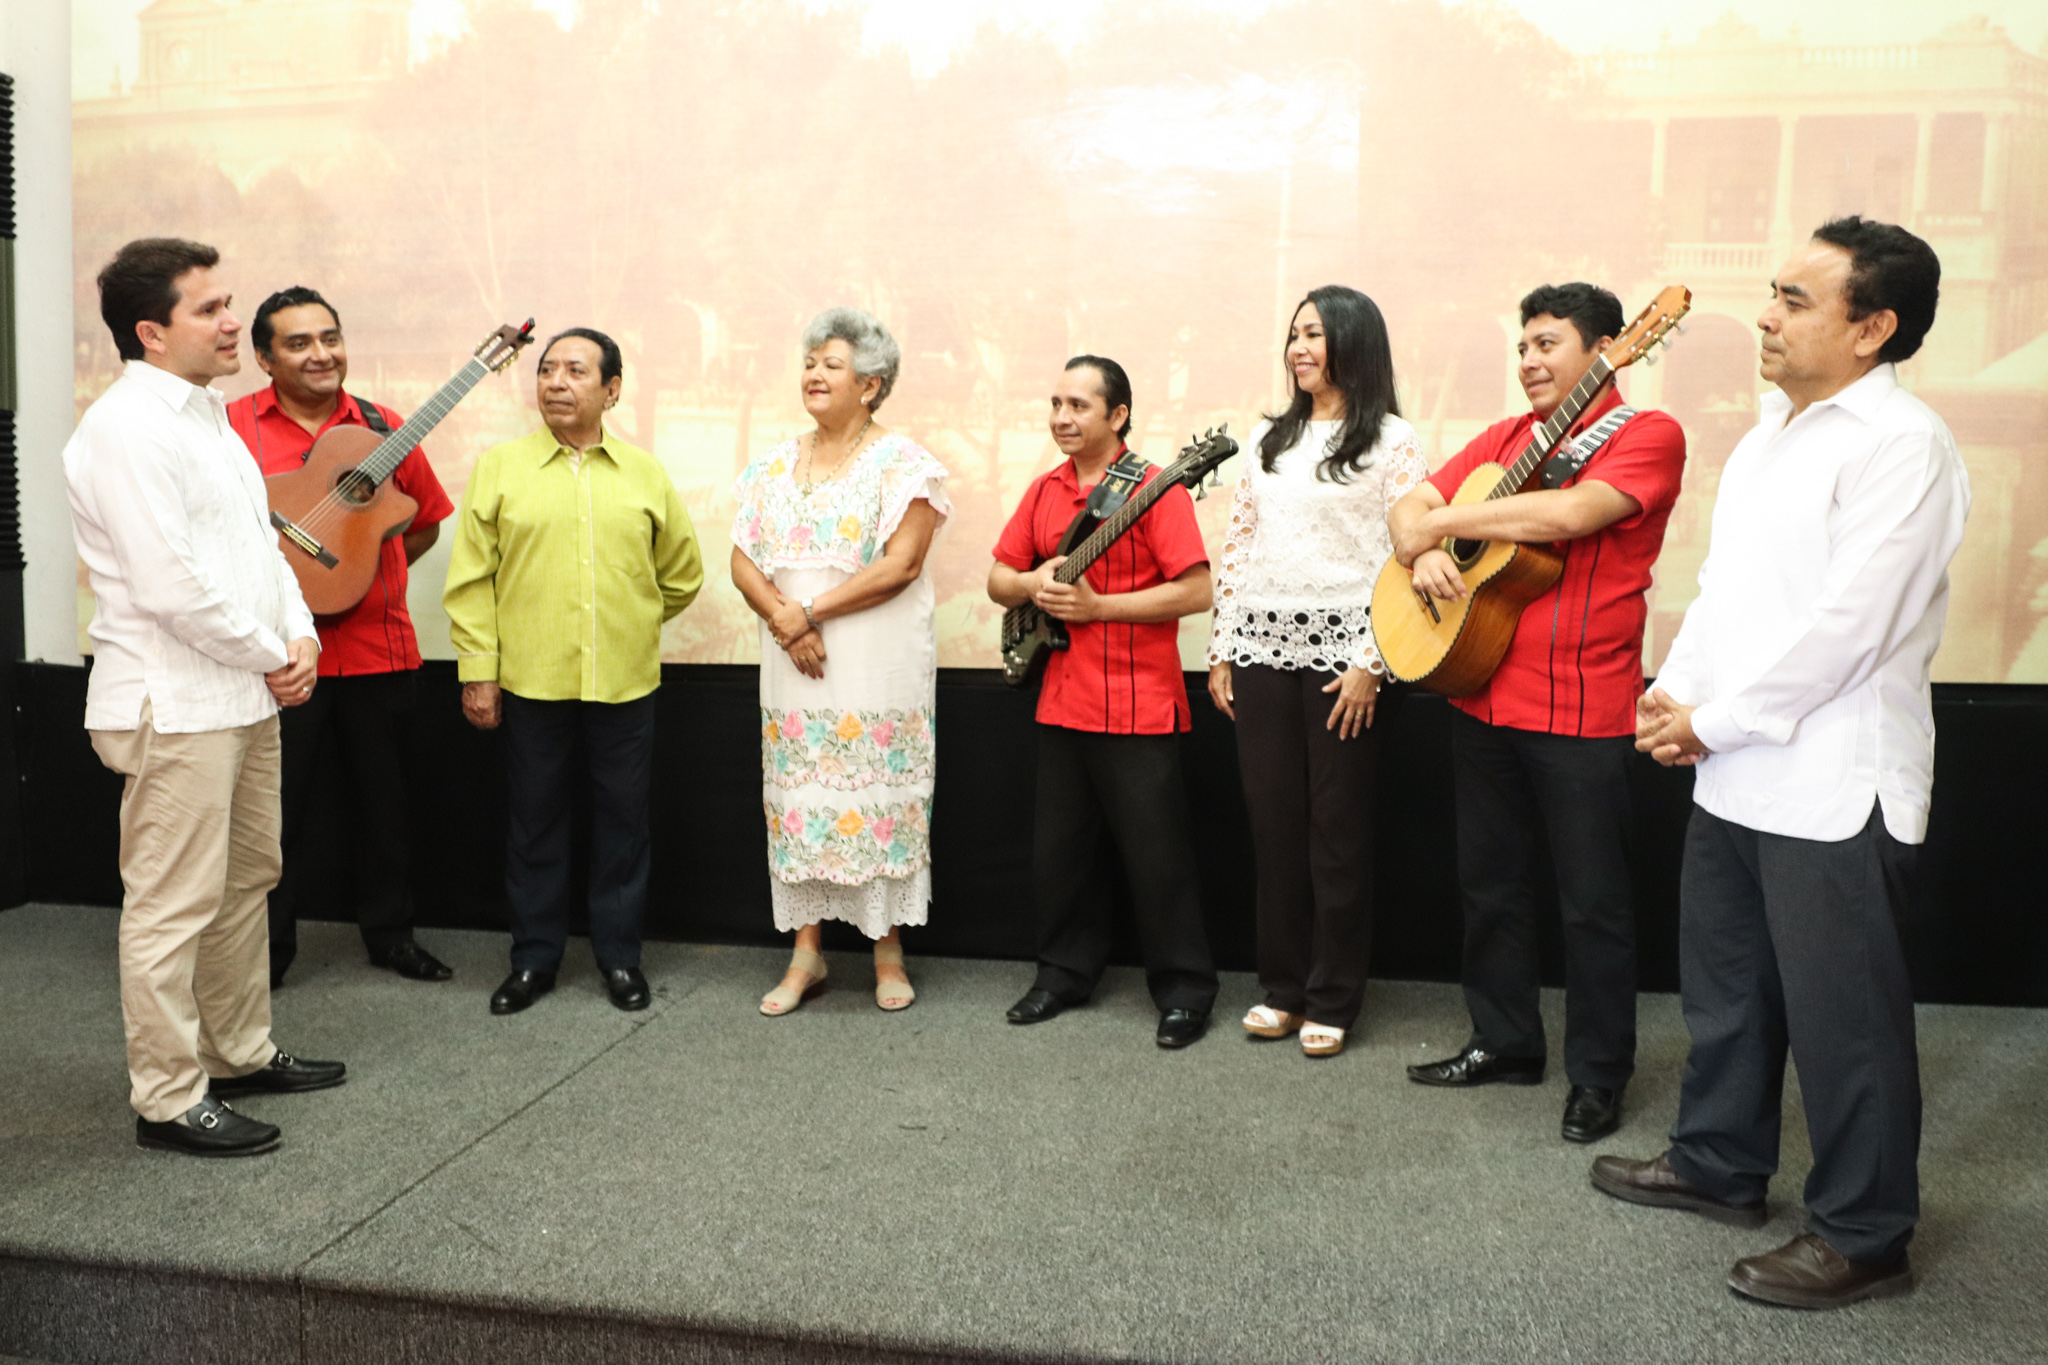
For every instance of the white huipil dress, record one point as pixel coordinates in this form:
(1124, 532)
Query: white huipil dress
(847, 760)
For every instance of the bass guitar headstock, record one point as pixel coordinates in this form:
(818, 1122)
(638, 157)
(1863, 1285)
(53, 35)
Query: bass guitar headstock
(503, 346)
(1199, 459)
(1651, 328)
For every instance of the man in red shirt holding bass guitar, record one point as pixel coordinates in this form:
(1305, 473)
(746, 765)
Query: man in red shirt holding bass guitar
(355, 727)
(1111, 712)
(1540, 754)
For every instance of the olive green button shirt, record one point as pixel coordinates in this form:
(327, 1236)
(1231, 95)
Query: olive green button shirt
(562, 572)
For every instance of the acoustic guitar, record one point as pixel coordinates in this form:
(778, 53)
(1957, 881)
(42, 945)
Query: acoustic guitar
(334, 513)
(1454, 647)
(1029, 635)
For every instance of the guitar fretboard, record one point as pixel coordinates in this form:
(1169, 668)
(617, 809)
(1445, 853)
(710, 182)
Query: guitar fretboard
(1115, 524)
(393, 449)
(1546, 436)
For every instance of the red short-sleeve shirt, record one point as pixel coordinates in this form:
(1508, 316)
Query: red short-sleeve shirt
(375, 635)
(1115, 678)
(1575, 666)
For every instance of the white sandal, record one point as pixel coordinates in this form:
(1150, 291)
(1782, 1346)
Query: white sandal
(1263, 1021)
(892, 995)
(1321, 1040)
(782, 1000)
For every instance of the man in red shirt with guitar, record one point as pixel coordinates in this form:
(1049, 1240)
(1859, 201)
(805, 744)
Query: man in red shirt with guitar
(1540, 753)
(1111, 712)
(356, 723)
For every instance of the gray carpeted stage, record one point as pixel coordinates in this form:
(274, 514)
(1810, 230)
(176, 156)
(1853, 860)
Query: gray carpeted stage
(697, 1183)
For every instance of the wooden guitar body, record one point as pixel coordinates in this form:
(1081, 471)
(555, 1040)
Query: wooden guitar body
(1457, 649)
(349, 520)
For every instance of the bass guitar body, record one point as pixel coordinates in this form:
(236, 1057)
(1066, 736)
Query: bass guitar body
(343, 517)
(1454, 647)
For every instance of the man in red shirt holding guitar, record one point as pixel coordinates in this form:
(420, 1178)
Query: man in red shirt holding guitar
(1540, 754)
(357, 722)
(1110, 714)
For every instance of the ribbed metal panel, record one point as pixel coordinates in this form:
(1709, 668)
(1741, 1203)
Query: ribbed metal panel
(7, 157)
(10, 507)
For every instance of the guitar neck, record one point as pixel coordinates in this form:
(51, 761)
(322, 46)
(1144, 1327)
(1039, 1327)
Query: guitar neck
(393, 449)
(1545, 438)
(1102, 537)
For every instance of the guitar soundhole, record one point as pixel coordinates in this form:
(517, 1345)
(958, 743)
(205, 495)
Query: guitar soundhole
(1466, 551)
(354, 487)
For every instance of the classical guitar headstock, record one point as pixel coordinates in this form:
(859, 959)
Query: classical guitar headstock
(1651, 329)
(503, 346)
(1199, 458)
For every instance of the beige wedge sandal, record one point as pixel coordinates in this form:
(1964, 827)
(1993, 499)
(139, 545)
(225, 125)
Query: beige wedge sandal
(1321, 1040)
(892, 995)
(782, 999)
(1263, 1021)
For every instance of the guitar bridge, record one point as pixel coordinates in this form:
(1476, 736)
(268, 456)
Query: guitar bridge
(298, 537)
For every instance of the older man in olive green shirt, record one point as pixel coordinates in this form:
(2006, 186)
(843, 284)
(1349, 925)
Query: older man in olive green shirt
(571, 549)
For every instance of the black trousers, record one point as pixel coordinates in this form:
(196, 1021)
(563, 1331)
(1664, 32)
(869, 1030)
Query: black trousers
(1518, 790)
(352, 733)
(1793, 942)
(1131, 786)
(552, 748)
(1309, 795)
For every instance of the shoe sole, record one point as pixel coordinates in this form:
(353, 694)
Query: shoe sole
(159, 1145)
(1889, 1287)
(1594, 1136)
(1686, 1203)
(1512, 1078)
(231, 1092)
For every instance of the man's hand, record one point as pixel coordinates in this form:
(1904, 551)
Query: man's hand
(292, 685)
(1664, 730)
(482, 705)
(1414, 538)
(1436, 574)
(807, 652)
(1075, 603)
(1358, 692)
(1220, 689)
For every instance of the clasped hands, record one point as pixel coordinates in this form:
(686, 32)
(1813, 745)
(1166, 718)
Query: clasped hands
(798, 638)
(292, 685)
(1664, 730)
(1075, 603)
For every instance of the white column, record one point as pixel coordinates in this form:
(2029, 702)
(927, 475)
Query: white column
(1923, 158)
(1997, 161)
(1782, 230)
(35, 49)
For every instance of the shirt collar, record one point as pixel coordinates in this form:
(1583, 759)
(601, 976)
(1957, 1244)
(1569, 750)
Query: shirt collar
(174, 391)
(347, 412)
(1860, 400)
(550, 445)
(1067, 474)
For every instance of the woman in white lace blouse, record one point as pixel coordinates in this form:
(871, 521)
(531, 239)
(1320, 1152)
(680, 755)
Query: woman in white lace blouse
(1292, 660)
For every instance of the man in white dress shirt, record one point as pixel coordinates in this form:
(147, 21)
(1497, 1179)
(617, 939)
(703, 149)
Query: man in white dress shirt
(199, 636)
(1799, 686)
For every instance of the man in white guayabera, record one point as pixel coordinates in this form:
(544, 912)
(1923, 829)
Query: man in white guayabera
(200, 635)
(1799, 685)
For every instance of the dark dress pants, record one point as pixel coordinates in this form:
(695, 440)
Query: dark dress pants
(1517, 791)
(1131, 786)
(1794, 942)
(552, 748)
(1309, 795)
(351, 734)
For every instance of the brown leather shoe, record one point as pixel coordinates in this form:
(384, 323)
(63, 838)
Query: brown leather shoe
(1656, 1184)
(1808, 1273)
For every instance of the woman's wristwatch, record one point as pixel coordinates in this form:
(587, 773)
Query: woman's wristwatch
(809, 619)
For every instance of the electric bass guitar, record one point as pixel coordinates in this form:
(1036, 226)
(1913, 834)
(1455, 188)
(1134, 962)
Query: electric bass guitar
(1029, 635)
(1454, 647)
(334, 513)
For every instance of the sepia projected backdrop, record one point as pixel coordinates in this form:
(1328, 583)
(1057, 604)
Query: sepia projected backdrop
(1158, 183)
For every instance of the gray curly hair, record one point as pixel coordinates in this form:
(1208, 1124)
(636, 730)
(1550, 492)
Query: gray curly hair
(875, 352)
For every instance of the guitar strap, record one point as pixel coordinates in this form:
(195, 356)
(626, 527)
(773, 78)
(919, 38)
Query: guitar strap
(1565, 464)
(372, 418)
(1119, 481)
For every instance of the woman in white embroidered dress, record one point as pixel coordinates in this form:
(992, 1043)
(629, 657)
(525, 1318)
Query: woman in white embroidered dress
(828, 548)
(1292, 659)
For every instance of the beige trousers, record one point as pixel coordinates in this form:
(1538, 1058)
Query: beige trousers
(200, 822)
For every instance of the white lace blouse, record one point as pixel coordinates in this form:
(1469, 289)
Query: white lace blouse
(1300, 558)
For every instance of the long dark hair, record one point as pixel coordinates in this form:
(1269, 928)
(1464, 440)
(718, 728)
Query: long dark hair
(1359, 361)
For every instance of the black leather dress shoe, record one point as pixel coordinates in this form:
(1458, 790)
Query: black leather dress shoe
(1036, 1007)
(209, 1128)
(519, 990)
(1591, 1113)
(1178, 1028)
(411, 961)
(282, 1074)
(627, 988)
(1477, 1066)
